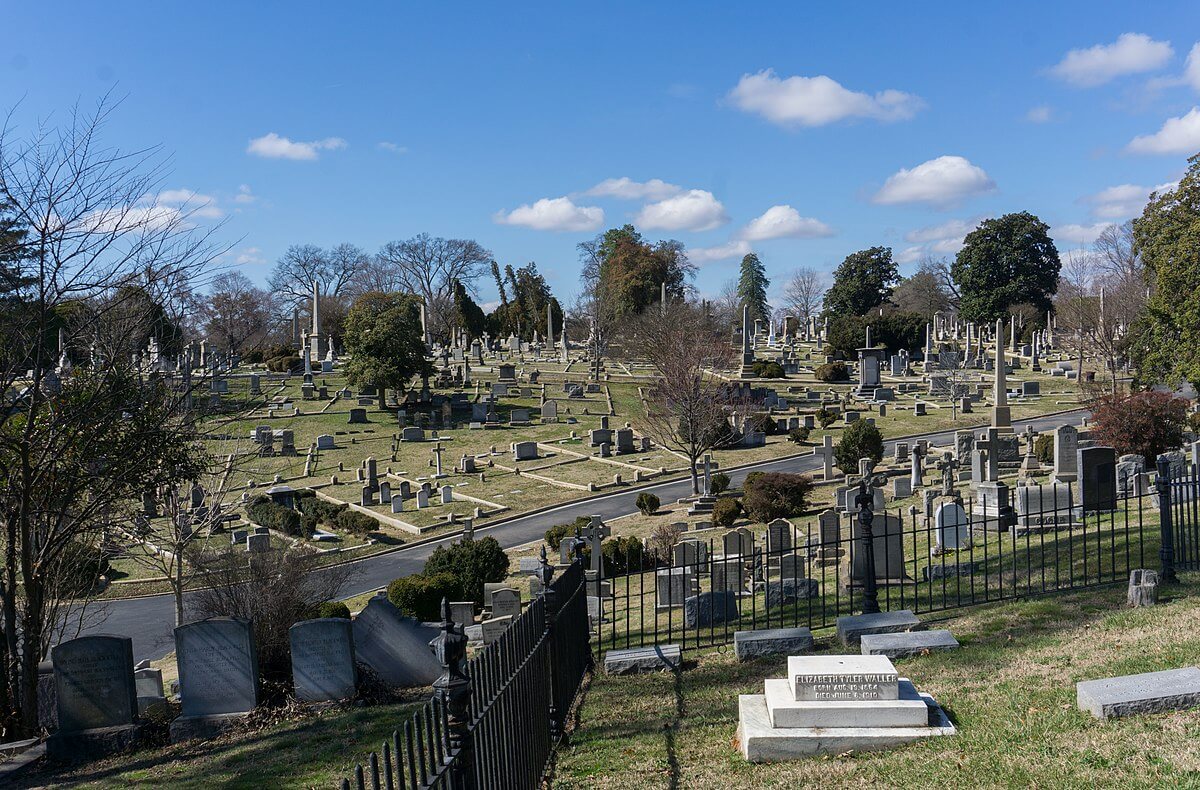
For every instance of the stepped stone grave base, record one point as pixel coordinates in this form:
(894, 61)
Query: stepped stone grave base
(1150, 692)
(642, 659)
(907, 643)
(850, 628)
(770, 642)
(93, 743)
(835, 705)
(186, 728)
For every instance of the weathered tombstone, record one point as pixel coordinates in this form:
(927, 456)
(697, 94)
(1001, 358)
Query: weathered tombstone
(888, 542)
(953, 527)
(729, 574)
(394, 645)
(412, 433)
(506, 603)
(462, 613)
(323, 659)
(218, 675)
(325, 442)
(96, 697)
(738, 543)
(494, 628)
(1097, 467)
(1143, 588)
(1066, 446)
(357, 416)
(149, 684)
(710, 608)
(674, 586)
(550, 411)
(779, 536)
(524, 451)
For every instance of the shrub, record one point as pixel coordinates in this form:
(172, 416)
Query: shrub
(718, 483)
(665, 537)
(321, 510)
(1142, 423)
(768, 370)
(832, 372)
(421, 594)
(771, 495)
(555, 535)
(798, 435)
(80, 566)
(284, 364)
(647, 503)
(474, 563)
(860, 440)
(265, 513)
(897, 330)
(356, 523)
(1043, 448)
(826, 417)
(726, 511)
(331, 609)
(621, 555)
(764, 424)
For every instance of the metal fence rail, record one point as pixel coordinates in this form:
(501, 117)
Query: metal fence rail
(725, 582)
(494, 720)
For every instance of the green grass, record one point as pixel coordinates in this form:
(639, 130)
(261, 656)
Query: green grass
(1010, 691)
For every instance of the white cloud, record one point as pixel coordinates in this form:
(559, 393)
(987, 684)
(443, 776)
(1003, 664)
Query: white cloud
(779, 222)
(125, 219)
(695, 209)
(1077, 234)
(190, 202)
(392, 147)
(1040, 114)
(628, 189)
(1177, 136)
(816, 101)
(250, 256)
(272, 146)
(1191, 72)
(941, 182)
(1131, 53)
(736, 248)
(1123, 201)
(950, 229)
(244, 195)
(553, 214)
(910, 255)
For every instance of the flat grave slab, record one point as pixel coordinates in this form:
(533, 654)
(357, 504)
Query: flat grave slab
(907, 710)
(850, 628)
(907, 643)
(642, 659)
(771, 641)
(1150, 692)
(850, 677)
(759, 742)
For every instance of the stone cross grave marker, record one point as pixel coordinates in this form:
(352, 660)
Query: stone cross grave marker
(826, 453)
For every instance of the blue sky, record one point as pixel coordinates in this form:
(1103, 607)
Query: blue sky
(802, 132)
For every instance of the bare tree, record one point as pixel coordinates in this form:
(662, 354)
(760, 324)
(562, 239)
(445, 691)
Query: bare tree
(924, 291)
(82, 436)
(429, 266)
(1077, 310)
(236, 312)
(595, 310)
(687, 407)
(802, 293)
(333, 270)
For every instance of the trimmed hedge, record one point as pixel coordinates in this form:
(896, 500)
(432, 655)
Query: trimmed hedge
(1043, 448)
(648, 503)
(771, 495)
(767, 370)
(719, 483)
(284, 364)
(265, 513)
(726, 511)
(421, 594)
(826, 417)
(798, 435)
(832, 372)
(330, 609)
(356, 523)
(473, 563)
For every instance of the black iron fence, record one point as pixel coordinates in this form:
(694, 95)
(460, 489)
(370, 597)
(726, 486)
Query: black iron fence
(493, 721)
(1037, 540)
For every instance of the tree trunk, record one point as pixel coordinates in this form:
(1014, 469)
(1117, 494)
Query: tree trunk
(178, 589)
(695, 478)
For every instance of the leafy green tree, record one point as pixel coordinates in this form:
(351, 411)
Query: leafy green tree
(383, 336)
(860, 440)
(630, 271)
(862, 282)
(752, 288)
(1006, 261)
(1167, 237)
(473, 563)
(525, 312)
(893, 331)
(468, 315)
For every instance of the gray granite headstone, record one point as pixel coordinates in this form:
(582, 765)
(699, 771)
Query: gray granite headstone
(218, 666)
(1150, 692)
(1097, 478)
(395, 646)
(93, 679)
(323, 659)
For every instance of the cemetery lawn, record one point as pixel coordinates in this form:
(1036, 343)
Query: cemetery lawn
(317, 751)
(1010, 690)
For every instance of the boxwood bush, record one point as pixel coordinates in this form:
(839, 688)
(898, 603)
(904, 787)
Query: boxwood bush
(771, 495)
(421, 594)
(726, 511)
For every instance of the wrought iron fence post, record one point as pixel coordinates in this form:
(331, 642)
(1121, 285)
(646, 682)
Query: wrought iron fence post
(1166, 549)
(453, 690)
(550, 609)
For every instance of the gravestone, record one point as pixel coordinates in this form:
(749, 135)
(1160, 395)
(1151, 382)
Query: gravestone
(1066, 447)
(412, 433)
(506, 603)
(673, 586)
(524, 451)
(325, 442)
(738, 543)
(1097, 467)
(1043, 507)
(493, 628)
(357, 417)
(395, 646)
(1150, 692)
(953, 527)
(96, 697)
(710, 608)
(888, 543)
(323, 659)
(779, 536)
(218, 675)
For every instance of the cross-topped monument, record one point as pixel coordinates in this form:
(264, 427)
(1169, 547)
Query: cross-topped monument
(437, 460)
(595, 533)
(989, 445)
(826, 453)
(947, 466)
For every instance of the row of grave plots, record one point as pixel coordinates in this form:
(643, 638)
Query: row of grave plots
(715, 583)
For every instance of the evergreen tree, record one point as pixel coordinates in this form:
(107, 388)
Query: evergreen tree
(630, 271)
(752, 288)
(383, 336)
(863, 281)
(1005, 262)
(467, 315)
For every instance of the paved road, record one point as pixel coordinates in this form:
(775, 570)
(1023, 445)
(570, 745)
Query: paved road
(150, 620)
